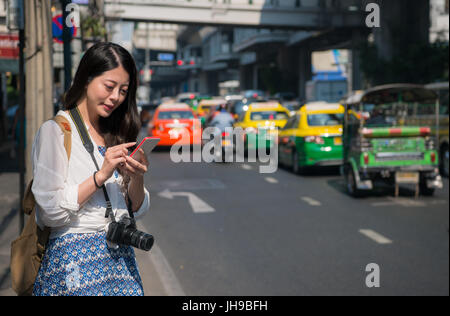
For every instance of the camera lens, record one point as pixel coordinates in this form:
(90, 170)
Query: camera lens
(130, 236)
(142, 241)
(146, 242)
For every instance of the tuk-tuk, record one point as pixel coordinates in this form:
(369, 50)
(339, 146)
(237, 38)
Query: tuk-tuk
(441, 88)
(392, 139)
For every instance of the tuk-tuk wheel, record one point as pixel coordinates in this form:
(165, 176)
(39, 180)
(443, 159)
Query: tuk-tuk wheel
(424, 190)
(444, 159)
(350, 181)
(295, 166)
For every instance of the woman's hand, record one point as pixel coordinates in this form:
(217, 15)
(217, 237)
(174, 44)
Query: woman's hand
(136, 166)
(114, 157)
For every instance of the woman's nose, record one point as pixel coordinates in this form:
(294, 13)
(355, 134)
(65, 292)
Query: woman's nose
(115, 95)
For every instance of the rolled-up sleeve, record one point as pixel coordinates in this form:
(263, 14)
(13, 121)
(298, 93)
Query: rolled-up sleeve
(57, 200)
(145, 206)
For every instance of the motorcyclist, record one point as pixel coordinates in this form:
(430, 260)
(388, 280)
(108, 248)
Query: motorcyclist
(222, 118)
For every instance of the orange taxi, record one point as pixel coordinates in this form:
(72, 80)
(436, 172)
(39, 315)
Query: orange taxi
(175, 123)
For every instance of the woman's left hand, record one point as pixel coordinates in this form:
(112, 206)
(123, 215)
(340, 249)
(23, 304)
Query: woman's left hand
(137, 165)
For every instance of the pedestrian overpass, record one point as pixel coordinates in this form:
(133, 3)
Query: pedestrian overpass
(292, 14)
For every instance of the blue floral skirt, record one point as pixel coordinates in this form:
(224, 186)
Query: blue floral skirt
(84, 265)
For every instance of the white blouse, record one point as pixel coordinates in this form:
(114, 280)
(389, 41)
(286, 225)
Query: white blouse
(56, 181)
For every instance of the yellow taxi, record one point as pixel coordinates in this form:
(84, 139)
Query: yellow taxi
(312, 137)
(261, 123)
(207, 106)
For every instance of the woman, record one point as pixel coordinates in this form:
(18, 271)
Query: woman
(78, 260)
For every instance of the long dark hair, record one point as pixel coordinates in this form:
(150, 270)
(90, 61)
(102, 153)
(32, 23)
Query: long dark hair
(123, 124)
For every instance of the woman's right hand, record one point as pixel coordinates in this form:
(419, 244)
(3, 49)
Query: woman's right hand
(113, 157)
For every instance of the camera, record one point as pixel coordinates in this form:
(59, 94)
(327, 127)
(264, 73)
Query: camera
(125, 232)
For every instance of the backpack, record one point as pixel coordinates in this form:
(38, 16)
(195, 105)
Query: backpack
(28, 250)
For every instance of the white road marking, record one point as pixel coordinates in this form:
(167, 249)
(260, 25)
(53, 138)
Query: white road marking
(311, 201)
(246, 167)
(197, 204)
(375, 236)
(271, 180)
(438, 202)
(407, 202)
(165, 273)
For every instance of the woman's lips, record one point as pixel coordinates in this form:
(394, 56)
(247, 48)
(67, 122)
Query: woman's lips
(107, 107)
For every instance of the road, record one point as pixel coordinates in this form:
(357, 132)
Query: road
(226, 229)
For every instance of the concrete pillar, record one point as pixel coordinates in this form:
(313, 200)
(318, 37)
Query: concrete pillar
(242, 85)
(288, 65)
(39, 72)
(304, 71)
(355, 73)
(403, 24)
(255, 76)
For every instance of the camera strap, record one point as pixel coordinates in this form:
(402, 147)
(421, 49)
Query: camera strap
(87, 143)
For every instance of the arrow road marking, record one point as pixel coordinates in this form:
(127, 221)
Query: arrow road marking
(375, 236)
(197, 204)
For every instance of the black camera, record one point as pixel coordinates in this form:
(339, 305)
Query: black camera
(125, 233)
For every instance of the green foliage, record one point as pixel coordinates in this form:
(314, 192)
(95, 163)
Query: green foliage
(92, 27)
(417, 63)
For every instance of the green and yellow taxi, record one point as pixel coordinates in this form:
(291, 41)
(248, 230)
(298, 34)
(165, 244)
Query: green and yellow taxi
(312, 137)
(261, 123)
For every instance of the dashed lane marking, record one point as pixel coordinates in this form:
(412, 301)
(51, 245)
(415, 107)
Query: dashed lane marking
(378, 238)
(311, 201)
(271, 180)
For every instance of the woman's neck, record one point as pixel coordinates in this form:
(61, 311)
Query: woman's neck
(91, 118)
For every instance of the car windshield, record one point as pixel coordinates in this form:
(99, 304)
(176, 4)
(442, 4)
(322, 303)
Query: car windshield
(207, 108)
(325, 119)
(396, 114)
(253, 93)
(167, 115)
(268, 115)
(184, 100)
(292, 106)
(242, 106)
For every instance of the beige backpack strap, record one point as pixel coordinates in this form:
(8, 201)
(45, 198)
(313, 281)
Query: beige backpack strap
(67, 130)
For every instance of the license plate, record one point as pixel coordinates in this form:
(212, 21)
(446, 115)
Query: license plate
(338, 140)
(226, 143)
(407, 177)
(175, 132)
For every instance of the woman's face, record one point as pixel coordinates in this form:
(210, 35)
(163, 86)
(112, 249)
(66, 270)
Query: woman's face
(106, 92)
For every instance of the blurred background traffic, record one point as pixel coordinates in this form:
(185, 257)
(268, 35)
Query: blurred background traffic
(351, 94)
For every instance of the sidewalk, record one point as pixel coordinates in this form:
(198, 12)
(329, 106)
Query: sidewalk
(9, 217)
(9, 230)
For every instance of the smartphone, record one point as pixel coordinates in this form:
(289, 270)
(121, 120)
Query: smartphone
(147, 144)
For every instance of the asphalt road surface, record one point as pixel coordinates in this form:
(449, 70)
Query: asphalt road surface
(226, 229)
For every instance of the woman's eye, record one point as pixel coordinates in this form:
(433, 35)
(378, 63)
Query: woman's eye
(109, 87)
(124, 92)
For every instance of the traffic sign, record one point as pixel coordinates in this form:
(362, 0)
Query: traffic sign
(57, 29)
